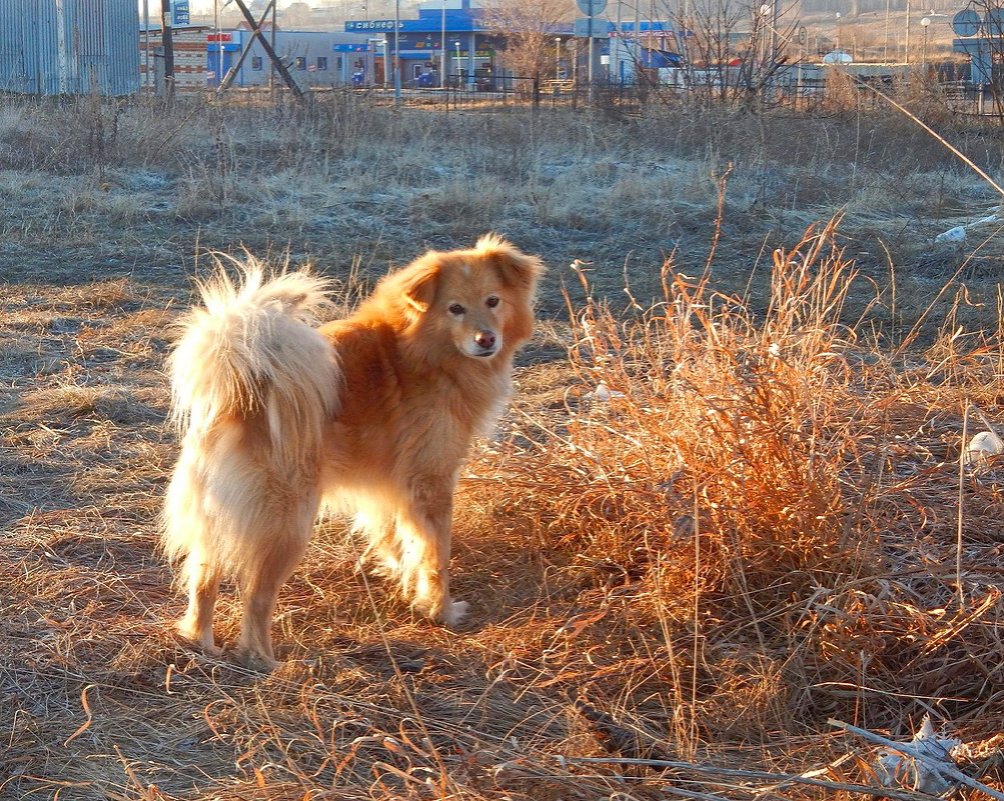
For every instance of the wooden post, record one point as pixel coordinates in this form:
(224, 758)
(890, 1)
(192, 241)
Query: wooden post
(256, 33)
(228, 79)
(168, 42)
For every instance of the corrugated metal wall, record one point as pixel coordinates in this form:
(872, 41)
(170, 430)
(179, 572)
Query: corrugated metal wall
(59, 47)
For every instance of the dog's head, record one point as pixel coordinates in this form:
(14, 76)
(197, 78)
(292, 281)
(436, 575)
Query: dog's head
(480, 300)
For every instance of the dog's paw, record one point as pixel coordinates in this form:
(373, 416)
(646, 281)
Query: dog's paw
(255, 660)
(379, 564)
(454, 613)
(197, 639)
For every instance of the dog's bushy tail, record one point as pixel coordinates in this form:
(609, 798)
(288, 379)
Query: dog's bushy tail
(252, 385)
(252, 351)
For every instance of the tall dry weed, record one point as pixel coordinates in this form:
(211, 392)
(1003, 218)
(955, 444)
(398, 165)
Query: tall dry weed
(730, 428)
(697, 490)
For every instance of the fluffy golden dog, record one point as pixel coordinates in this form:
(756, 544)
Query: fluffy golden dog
(370, 416)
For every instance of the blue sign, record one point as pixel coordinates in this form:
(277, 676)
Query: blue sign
(586, 26)
(428, 23)
(371, 25)
(967, 22)
(351, 48)
(180, 13)
(591, 8)
(420, 41)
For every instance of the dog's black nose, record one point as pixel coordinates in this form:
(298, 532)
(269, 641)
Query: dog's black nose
(485, 339)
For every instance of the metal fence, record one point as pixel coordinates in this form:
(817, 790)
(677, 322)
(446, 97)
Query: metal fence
(71, 47)
(460, 91)
(802, 93)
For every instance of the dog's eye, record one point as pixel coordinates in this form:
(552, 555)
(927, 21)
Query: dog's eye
(456, 309)
(492, 301)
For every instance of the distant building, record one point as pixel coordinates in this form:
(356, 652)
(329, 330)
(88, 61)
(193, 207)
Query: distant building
(448, 37)
(313, 58)
(452, 37)
(189, 44)
(645, 50)
(449, 43)
(72, 47)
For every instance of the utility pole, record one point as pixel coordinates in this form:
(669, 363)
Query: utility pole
(615, 46)
(397, 50)
(146, 44)
(168, 41)
(907, 59)
(773, 33)
(442, 47)
(271, 70)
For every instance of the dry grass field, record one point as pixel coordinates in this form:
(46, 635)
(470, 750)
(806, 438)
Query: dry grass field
(725, 507)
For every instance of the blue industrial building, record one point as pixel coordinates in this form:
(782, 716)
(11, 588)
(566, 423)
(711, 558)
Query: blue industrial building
(981, 33)
(451, 38)
(70, 47)
(449, 43)
(313, 58)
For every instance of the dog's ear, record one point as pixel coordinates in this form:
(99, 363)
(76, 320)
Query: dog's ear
(517, 269)
(418, 282)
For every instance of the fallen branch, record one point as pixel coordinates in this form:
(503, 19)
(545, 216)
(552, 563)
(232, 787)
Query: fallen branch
(948, 771)
(776, 778)
(679, 792)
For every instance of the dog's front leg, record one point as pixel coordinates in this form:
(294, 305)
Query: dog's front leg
(424, 534)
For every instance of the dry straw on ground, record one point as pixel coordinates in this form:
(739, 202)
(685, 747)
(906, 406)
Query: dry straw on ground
(712, 521)
(749, 530)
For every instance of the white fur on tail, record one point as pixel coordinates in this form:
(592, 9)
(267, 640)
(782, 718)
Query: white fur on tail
(250, 360)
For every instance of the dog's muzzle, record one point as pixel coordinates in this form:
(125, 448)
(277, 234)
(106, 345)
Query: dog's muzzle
(486, 343)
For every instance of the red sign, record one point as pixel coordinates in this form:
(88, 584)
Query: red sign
(219, 37)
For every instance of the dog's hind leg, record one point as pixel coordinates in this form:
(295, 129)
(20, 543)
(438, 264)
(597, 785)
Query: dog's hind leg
(281, 543)
(188, 535)
(203, 582)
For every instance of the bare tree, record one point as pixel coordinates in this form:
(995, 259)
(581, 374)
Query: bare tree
(528, 28)
(297, 14)
(734, 51)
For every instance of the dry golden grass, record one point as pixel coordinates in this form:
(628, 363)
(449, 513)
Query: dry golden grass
(109, 189)
(751, 528)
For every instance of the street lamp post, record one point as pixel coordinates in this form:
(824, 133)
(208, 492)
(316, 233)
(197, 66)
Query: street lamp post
(907, 58)
(397, 51)
(442, 47)
(762, 46)
(557, 58)
(769, 13)
(885, 43)
(925, 23)
(457, 45)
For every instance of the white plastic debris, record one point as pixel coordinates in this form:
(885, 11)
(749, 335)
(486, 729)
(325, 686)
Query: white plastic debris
(604, 393)
(838, 57)
(899, 770)
(955, 235)
(982, 447)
